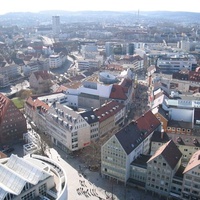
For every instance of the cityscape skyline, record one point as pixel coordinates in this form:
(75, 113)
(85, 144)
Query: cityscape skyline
(111, 5)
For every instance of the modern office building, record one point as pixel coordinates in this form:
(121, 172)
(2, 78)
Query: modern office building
(55, 61)
(175, 63)
(56, 24)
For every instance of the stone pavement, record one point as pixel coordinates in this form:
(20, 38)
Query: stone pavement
(79, 185)
(85, 184)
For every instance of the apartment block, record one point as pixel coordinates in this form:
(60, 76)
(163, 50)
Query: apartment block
(191, 180)
(110, 115)
(67, 128)
(161, 168)
(126, 145)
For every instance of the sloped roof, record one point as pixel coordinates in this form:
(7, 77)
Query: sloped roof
(134, 133)
(148, 122)
(170, 153)
(107, 110)
(4, 102)
(61, 88)
(194, 161)
(194, 76)
(118, 92)
(126, 84)
(34, 102)
(160, 137)
(43, 74)
(89, 117)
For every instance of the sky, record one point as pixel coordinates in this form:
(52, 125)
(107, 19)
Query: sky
(99, 5)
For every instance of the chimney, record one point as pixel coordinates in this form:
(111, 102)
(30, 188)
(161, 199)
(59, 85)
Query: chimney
(162, 133)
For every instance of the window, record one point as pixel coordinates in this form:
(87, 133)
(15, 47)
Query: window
(29, 196)
(42, 189)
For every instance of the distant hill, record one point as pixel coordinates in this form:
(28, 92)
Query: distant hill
(172, 15)
(27, 18)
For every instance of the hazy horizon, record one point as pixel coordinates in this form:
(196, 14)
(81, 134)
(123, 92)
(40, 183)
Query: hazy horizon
(35, 6)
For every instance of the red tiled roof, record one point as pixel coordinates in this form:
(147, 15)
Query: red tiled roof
(2, 155)
(114, 67)
(43, 74)
(35, 103)
(4, 102)
(131, 58)
(126, 84)
(61, 88)
(108, 110)
(147, 122)
(194, 76)
(118, 92)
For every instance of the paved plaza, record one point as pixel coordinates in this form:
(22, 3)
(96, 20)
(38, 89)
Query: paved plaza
(85, 184)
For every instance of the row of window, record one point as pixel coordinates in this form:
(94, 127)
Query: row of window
(157, 187)
(178, 129)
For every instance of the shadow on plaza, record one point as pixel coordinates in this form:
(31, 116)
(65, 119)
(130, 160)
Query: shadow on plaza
(111, 188)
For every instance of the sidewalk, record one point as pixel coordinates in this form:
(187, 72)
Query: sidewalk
(85, 184)
(82, 184)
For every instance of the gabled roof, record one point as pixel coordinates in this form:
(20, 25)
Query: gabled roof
(4, 102)
(134, 133)
(34, 102)
(126, 84)
(170, 153)
(43, 74)
(148, 122)
(118, 92)
(160, 137)
(61, 88)
(129, 137)
(194, 161)
(107, 110)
